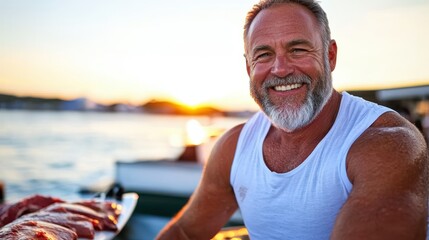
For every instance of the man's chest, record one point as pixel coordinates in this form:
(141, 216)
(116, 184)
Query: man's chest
(282, 158)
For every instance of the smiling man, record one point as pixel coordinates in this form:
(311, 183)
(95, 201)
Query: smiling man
(314, 163)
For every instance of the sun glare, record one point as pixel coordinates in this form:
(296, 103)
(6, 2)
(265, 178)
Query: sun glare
(195, 133)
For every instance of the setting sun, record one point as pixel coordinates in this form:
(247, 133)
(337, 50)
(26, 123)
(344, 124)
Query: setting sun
(189, 97)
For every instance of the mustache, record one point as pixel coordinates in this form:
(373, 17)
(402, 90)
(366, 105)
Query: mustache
(293, 79)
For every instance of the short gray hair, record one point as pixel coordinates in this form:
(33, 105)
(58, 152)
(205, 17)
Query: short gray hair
(311, 5)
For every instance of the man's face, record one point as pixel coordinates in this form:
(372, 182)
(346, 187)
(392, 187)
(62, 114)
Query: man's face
(290, 75)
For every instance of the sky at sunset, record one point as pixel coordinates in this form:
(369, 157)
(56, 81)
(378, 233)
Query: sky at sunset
(190, 51)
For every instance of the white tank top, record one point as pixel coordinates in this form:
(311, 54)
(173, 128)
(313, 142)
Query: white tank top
(304, 202)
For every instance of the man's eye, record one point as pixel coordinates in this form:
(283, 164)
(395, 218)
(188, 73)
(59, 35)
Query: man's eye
(262, 55)
(299, 50)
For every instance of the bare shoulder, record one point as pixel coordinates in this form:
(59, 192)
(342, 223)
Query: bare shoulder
(389, 157)
(231, 135)
(228, 141)
(390, 143)
(222, 154)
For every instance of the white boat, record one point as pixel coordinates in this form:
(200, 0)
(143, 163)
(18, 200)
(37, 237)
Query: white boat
(164, 186)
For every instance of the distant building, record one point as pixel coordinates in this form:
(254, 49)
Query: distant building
(81, 104)
(119, 107)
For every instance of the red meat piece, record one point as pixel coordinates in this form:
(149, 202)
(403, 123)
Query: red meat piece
(35, 230)
(106, 221)
(10, 212)
(106, 207)
(82, 225)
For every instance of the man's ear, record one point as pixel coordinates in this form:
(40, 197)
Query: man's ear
(332, 54)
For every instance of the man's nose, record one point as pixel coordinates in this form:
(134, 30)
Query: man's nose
(281, 67)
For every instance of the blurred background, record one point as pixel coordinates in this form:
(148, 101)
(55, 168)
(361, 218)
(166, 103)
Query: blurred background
(189, 52)
(85, 84)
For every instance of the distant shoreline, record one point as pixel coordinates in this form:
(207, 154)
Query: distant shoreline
(13, 102)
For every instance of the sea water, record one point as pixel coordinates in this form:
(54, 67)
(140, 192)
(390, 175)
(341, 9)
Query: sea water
(57, 153)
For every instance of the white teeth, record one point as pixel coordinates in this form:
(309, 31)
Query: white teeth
(283, 88)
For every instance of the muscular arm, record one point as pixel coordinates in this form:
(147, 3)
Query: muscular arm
(388, 168)
(213, 202)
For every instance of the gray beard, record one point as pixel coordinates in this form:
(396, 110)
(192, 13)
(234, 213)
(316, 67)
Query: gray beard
(289, 118)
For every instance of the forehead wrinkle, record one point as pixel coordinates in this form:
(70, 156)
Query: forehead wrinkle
(296, 42)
